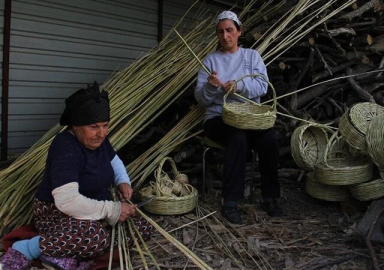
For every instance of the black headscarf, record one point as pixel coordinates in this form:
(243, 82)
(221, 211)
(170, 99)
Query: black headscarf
(85, 107)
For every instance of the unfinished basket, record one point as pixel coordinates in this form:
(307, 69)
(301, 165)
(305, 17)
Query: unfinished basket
(375, 141)
(249, 114)
(368, 191)
(342, 170)
(308, 143)
(325, 192)
(165, 204)
(354, 123)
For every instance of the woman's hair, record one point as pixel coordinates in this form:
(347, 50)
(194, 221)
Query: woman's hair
(238, 27)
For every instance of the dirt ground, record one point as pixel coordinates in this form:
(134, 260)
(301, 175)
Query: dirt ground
(312, 234)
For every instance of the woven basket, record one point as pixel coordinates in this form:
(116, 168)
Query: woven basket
(170, 204)
(182, 178)
(375, 141)
(354, 123)
(308, 143)
(368, 191)
(325, 192)
(342, 170)
(250, 115)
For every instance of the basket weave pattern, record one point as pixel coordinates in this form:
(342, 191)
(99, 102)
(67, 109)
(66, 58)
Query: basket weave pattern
(354, 123)
(368, 191)
(308, 143)
(375, 141)
(172, 197)
(250, 115)
(325, 192)
(342, 170)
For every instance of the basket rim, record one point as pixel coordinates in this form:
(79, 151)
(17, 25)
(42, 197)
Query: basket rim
(298, 134)
(273, 106)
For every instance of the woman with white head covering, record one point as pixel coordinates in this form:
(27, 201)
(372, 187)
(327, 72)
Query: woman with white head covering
(228, 64)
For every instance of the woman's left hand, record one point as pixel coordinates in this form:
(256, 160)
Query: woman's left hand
(229, 87)
(125, 192)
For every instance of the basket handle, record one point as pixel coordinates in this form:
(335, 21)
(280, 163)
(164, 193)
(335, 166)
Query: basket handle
(331, 142)
(251, 101)
(160, 168)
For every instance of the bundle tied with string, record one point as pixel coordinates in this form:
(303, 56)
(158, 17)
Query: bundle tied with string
(249, 114)
(340, 168)
(173, 196)
(308, 143)
(355, 121)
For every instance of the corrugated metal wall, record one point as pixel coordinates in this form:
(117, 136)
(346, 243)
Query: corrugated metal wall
(59, 46)
(174, 10)
(1, 51)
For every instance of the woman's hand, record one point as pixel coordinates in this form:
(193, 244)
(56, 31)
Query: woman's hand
(127, 210)
(125, 192)
(214, 80)
(229, 87)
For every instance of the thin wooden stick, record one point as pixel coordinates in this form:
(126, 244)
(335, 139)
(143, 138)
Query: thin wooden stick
(190, 223)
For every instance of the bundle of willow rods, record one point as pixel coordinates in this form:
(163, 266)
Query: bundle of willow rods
(138, 94)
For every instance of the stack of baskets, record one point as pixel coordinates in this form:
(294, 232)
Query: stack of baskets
(173, 196)
(375, 147)
(333, 169)
(249, 114)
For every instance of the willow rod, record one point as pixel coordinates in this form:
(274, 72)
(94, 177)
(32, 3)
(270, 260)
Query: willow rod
(198, 262)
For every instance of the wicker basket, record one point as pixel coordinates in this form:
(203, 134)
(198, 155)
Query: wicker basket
(308, 143)
(368, 191)
(170, 204)
(354, 123)
(325, 192)
(375, 141)
(342, 170)
(250, 115)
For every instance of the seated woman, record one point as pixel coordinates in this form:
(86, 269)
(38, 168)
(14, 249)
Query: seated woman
(73, 207)
(228, 64)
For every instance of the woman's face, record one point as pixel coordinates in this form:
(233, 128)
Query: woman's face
(228, 35)
(91, 136)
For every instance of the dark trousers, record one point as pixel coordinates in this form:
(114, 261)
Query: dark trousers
(237, 142)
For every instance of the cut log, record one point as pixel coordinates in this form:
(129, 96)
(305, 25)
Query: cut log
(366, 221)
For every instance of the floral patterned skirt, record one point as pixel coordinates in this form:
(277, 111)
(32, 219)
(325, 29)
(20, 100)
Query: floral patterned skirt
(65, 236)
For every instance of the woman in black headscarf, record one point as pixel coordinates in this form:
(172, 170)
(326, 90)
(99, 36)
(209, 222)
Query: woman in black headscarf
(73, 208)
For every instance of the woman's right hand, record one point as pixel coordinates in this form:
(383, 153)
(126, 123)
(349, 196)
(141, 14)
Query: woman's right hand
(214, 80)
(127, 210)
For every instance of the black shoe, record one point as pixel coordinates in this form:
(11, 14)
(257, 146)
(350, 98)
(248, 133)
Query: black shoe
(232, 214)
(270, 206)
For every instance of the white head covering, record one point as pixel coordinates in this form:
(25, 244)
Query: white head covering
(228, 15)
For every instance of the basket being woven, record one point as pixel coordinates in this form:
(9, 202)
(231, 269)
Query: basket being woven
(368, 191)
(342, 170)
(249, 114)
(308, 143)
(325, 192)
(171, 204)
(354, 123)
(375, 141)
